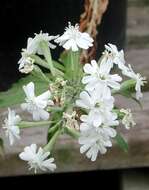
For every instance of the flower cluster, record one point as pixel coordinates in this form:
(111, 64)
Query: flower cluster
(78, 100)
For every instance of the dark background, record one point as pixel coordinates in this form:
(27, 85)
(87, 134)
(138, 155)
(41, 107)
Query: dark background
(99, 180)
(21, 19)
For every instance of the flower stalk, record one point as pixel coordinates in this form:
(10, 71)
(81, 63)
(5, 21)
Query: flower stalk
(72, 132)
(40, 61)
(37, 72)
(51, 143)
(28, 124)
(47, 54)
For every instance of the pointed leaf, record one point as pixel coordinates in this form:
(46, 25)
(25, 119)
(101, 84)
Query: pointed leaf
(121, 142)
(15, 95)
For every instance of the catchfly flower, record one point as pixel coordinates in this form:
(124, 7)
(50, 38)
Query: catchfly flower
(74, 39)
(36, 104)
(37, 159)
(97, 99)
(140, 81)
(33, 44)
(99, 104)
(112, 56)
(91, 120)
(100, 76)
(11, 126)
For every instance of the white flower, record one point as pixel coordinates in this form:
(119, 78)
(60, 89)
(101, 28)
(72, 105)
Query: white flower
(10, 125)
(98, 98)
(37, 159)
(96, 140)
(112, 56)
(36, 105)
(140, 81)
(74, 39)
(99, 103)
(33, 44)
(109, 119)
(127, 120)
(26, 64)
(96, 118)
(99, 76)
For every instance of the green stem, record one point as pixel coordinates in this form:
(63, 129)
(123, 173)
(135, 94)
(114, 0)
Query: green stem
(58, 66)
(52, 129)
(75, 67)
(72, 61)
(47, 54)
(37, 72)
(55, 109)
(44, 64)
(51, 143)
(40, 61)
(79, 68)
(27, 124)
(72, 132)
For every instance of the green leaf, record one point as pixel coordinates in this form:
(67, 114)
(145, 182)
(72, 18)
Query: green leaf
(58, 65)
(15, 95)
(121, 142)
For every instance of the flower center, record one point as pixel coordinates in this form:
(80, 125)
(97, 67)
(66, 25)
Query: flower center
(97, 105)
(33, 105)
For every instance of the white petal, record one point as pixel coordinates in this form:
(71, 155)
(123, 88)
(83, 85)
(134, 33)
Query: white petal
(44, 114)
(11, 138)
(24, 106)
(106, 65)
(97, 120)
(92, 153)
(29, 90)
(48, 165)
(84, 148)
(87, 37)
(70, 44)
(89, 79)
(89, 69)
(82, 43)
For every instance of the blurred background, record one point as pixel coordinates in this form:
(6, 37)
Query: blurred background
(124, 23)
